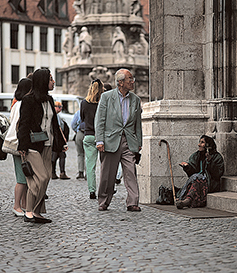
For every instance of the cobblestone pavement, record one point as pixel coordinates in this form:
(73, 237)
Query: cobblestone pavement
(83, 239)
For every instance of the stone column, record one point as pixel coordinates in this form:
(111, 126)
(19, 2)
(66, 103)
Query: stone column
(177, 111)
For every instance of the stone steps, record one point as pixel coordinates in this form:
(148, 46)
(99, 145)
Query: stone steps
(227, 199)
(229, 183)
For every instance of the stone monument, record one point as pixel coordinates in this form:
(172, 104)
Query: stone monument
(104, 36)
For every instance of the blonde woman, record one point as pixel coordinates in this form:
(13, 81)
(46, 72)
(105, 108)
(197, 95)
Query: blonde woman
(87, 112)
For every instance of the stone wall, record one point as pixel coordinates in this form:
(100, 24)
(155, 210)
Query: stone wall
(192, 92)
(177, 112)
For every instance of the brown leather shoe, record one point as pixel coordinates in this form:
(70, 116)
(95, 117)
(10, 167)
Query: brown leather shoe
(64, 176)
(133, 208)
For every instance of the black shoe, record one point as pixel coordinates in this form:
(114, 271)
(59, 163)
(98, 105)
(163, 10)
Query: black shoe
(54, 176)
(92, 195)
(80, 175)
(46, 196)
(30, 220)
(117, 181)
(42, 220)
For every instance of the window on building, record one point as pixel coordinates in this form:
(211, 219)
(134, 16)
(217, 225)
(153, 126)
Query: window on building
(14, 36)
(15, 74)
(61, 8)
(29, 37)
(57, 40)
(18, 5)
(58, 78)
(46, 7)
(29, 69)
(43, 38)
(53, 7)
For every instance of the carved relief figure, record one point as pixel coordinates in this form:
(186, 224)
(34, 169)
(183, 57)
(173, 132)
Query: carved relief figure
(79, 6)
(144, 43)
(118, 45)
(100, 72)
(119, 6)
(135, 8)
(94, 7)
(108, 6)
(85, 43)
(68, 44)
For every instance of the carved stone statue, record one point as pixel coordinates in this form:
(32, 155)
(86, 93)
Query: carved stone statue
(119, 45)
(144, 43)
(68, 44)
(85, 40)
(135, 8)
(79, 6)
(100, 72)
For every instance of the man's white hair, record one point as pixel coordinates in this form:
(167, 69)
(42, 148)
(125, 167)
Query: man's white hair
(120, 75)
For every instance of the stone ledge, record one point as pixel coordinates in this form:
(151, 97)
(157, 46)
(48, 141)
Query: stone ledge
(226, 201)
(229, 183)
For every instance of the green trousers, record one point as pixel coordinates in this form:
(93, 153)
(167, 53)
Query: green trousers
(91, 155)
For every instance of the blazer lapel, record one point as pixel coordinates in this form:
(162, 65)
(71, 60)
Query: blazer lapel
(132, 104)
(116, 103)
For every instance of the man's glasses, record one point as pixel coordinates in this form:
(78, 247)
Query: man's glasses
(58, 106)
(132, 79)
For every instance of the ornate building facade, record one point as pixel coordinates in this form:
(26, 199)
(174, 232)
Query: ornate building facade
(103, 37)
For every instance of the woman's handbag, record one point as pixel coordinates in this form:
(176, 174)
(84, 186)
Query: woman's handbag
(26, 167)
(10, 147)
(38, 136)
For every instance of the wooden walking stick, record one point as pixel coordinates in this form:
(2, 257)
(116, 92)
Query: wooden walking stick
(171, 173)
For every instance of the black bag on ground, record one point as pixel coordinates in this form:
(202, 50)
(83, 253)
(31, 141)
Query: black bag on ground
(165, 196)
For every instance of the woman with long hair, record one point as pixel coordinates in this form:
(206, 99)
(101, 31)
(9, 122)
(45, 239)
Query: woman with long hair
(204, 169)
(37, 115)
(87, 112)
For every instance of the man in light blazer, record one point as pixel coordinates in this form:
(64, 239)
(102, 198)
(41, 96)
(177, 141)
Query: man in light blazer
(118, 133)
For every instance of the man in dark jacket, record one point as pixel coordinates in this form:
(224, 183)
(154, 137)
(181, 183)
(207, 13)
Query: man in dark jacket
(61, 155)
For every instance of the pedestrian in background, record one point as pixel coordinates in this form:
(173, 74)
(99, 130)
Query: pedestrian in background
(61, 155)
(118, 137)
(37, 114)
(11, 142)
(79, 127)
(87, 111)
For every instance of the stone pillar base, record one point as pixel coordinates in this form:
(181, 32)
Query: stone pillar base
(180, 123)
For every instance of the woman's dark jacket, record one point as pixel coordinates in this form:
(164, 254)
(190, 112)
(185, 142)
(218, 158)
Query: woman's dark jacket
(31, 114)
(213, 169)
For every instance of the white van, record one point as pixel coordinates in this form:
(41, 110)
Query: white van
(70, 103)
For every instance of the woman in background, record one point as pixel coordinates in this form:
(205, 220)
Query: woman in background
(23, 88)
(87, 112)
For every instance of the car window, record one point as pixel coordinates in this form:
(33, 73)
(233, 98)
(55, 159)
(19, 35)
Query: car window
(70, 107)
(5, 105)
